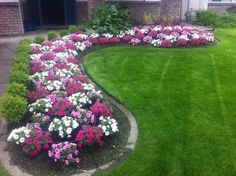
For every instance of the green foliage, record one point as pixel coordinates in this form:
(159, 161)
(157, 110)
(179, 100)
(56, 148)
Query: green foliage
(13, 105)
(17, 89)
(23, 47)
(214, 19)
(227, 20)
(52, 35)
(151, 19)
(13, 108)
(19, 77)
(24, 42)
(39, 39)
(73, 28)
(83, 27)
(232, 9)
(206, 18)
(63, 32)
(110, 18)
(21, 58)
(21, 66)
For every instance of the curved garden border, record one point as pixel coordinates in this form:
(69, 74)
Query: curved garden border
(134, 37)
(130, 145)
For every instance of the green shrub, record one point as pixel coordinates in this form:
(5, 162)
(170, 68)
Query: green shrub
(39, 39)
(52, 35)
(206, 18)
(24, 42)
(23, 58)
(227, 20)
(17, 89)
(23, 48)
(19, 77)
(110, 18)
(21, 66)
(231, 9)
(73, 28)
(63, 32)
(83, 27)
(13, 108)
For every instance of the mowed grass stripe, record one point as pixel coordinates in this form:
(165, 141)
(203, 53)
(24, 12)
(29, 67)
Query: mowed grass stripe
(182, 128)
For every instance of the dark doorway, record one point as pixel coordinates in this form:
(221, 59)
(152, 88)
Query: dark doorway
(51, 12)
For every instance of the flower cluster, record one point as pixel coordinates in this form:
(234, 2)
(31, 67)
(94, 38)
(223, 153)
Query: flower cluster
(37, 140)
(101, 109)
(64, 152)
(156, 35)
(18, 135)
(63, 126)
(89, 135)
(108, 125)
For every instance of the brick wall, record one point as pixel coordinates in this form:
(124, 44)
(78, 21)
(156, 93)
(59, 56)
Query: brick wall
(172, 9)
(221, 7)
(82, 12)
(137, 9)
(92, 4)
(10, 21)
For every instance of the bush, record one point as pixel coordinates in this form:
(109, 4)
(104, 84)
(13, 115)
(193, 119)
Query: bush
(17, 89)
(110, 19)
(214, 19)
(52, 35)
(83, 27)
(72, 28)
(13, 108)
(206, 18)
(227, 20)
(39, 39)
(63, 33)
(23, 48)
(19, 59)
(21, 66)
(19, 77)
(231, 9)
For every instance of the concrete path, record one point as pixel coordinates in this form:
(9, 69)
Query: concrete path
(8, 46)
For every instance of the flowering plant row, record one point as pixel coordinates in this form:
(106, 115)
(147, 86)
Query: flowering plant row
(67, 112)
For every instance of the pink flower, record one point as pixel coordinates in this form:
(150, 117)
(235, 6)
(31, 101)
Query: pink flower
(66, 162)
(69, 156)
(50, 154)
(77, 160)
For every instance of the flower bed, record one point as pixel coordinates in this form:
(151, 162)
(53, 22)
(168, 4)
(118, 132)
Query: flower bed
(67, 113)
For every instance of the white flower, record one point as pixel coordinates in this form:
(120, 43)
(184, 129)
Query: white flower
(69, 130)
(60, 128)
(75, 124)
(61, 134)
(15, 136)
(107, 133)
(50, 128)
(56, 120)
(104, 128)
(67, 123)
(22, 140)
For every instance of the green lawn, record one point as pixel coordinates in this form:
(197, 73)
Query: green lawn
(184, 101)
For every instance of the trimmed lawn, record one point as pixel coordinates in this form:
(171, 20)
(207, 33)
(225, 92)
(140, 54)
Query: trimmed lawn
(184, 103)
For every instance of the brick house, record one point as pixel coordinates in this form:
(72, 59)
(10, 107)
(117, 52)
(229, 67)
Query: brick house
(14, 13)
